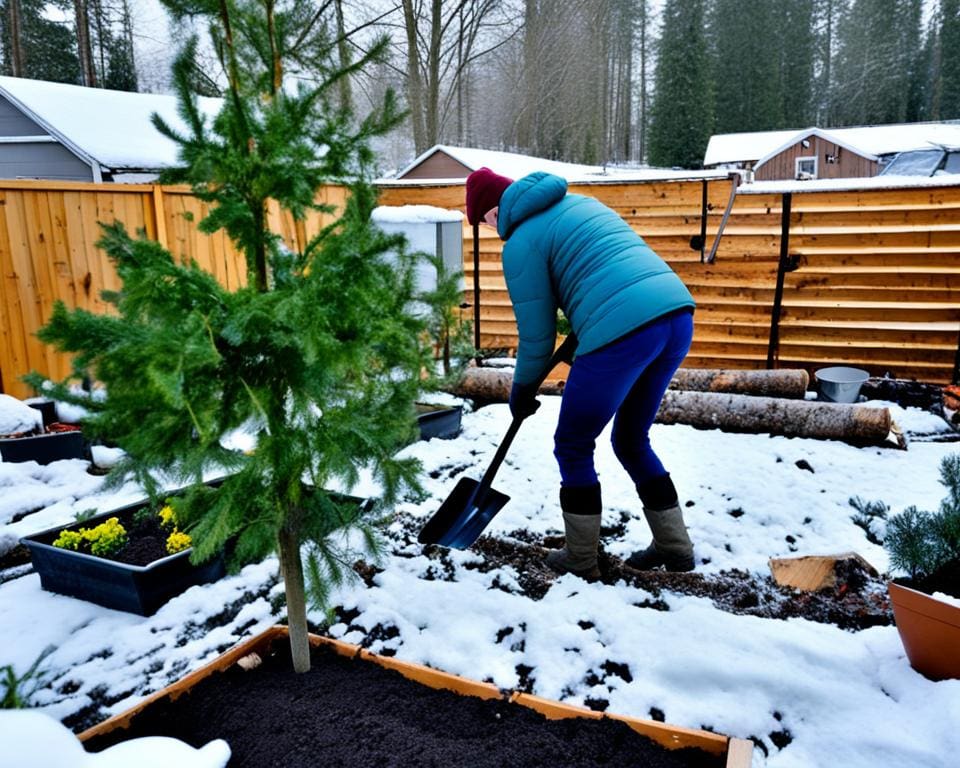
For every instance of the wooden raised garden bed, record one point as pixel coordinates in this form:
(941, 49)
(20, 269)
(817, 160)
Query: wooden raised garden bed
(419, 716)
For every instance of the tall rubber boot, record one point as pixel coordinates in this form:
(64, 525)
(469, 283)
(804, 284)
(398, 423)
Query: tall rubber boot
(581, 522)
(671, 547)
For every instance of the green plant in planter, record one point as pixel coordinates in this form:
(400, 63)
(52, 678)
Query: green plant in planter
(319, 354)
(920, 542)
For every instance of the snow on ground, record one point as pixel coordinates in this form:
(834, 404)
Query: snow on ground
(846, 698)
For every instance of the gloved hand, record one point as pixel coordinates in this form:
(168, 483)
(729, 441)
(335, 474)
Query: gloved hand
(523, 400)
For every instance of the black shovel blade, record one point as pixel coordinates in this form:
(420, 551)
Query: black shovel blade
(463, 516)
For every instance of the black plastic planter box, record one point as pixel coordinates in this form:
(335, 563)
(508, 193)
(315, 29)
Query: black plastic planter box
(133, 588)
(441, 421)
(43, 449)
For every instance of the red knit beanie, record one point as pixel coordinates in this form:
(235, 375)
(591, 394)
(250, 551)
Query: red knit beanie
(484, 189)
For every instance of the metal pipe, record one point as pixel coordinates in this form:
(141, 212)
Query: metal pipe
(773, 347)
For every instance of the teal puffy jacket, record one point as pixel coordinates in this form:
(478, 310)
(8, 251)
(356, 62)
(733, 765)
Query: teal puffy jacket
(574, 253)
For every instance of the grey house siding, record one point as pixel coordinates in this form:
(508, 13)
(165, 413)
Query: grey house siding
(14, 123)
(32, 160)
(42, 161)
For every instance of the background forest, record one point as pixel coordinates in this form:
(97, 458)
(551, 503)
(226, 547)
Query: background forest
(589, 81)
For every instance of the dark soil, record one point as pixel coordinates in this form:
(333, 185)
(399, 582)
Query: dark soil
(859, 599)
(347, 712)
(945, 579)
(146, 542)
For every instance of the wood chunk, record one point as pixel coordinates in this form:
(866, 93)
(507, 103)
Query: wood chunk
(249, 662)
(812, 573)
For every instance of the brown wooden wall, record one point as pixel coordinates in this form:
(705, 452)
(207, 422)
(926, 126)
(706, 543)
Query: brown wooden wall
(877, 283)
(847, 165)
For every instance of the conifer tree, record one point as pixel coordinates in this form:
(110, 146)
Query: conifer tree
(949, 93)
(320, 352)
(682, 113)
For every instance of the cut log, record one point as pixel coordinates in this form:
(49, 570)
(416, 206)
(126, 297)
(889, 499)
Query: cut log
(785, 382)
(857, 424)
(815, 572)
(792, 418)
(493, 384)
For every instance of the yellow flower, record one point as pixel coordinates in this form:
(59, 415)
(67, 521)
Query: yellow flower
(167, 517)
(177, 542)
(106, 538)
(69, 540)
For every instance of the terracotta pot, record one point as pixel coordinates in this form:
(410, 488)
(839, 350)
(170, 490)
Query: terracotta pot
(738, 752)
(930, 632)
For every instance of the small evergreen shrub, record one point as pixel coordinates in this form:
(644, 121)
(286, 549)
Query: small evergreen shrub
(921, 542)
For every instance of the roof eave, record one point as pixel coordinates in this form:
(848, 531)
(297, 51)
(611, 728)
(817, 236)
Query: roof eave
(52, 130)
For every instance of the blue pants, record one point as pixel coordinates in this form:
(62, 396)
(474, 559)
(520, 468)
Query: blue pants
(625, 381)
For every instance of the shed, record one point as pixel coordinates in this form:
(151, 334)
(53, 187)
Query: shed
(70, 132)
(816, 153)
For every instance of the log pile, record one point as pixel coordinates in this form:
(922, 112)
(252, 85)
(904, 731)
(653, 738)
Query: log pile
(733, 401)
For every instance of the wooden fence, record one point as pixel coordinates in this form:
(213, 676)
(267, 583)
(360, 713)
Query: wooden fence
(48, 232)
(869, 278)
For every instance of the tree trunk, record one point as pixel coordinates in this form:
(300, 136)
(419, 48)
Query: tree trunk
(343, 52)
(855, 424)
(16, 38)
(784, 382)
(291, 569)
(414, 79)
(84, 48)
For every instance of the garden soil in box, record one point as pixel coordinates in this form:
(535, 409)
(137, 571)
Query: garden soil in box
(348, 712)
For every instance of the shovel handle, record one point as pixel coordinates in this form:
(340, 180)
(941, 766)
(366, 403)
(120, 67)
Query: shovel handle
(563, 353)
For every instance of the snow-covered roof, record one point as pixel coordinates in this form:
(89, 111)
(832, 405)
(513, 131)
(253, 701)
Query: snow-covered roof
(515, 165)
(869, 140)
(112, 128)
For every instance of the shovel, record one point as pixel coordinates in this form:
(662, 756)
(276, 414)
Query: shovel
(472, 505)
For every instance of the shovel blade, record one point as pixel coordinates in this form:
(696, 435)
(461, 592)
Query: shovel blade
(463, 516)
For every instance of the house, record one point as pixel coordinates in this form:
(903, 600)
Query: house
(911, 149)
(60, 131)
(448, 163)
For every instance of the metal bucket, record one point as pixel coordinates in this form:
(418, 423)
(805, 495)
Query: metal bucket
(841, 384)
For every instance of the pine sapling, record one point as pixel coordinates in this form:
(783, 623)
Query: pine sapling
(318, 355)
(921, 542)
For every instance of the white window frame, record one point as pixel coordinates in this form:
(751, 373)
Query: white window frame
(800, 160)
